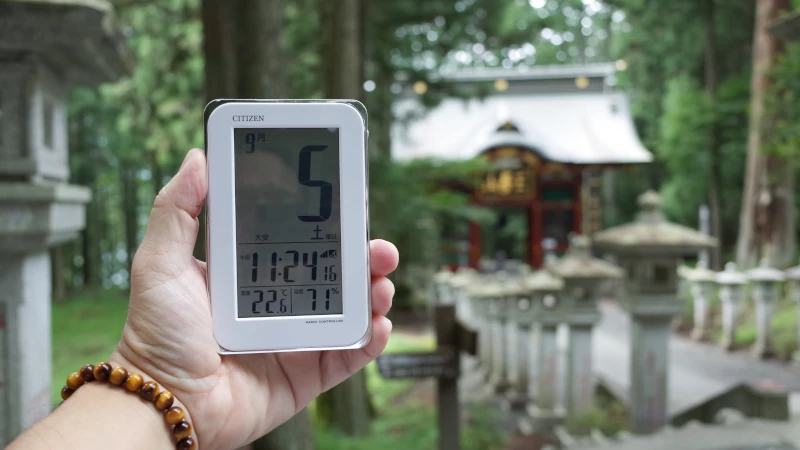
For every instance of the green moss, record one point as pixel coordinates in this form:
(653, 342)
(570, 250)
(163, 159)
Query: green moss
(413, 426)
(86, 329)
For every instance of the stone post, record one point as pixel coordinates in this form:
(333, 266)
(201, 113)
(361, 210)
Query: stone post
(512, 356)
(650, 249)
(793, 277)
(441, 284)
(584, 279)
(521, 313)
(765, 290)
(649, 372)
(38, 208)
(459, 283)
(478, 298)
(701, 283)
(499, 374)
(544, 379)
(730, 283)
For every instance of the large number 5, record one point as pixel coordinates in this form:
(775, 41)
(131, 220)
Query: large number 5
(326, 189)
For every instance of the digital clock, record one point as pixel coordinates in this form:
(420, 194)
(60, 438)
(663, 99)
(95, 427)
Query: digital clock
(287, 225)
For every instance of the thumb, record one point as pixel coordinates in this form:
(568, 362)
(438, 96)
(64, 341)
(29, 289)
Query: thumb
(173, 225)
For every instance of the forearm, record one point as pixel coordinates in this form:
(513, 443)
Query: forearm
(99, 416)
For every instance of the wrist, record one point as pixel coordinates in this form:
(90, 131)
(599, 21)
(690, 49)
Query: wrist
(161, 398)
(96, 416)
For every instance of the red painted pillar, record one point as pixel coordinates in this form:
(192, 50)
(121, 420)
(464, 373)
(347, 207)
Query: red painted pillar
(474, 244)
(535, 233)
(577, 204)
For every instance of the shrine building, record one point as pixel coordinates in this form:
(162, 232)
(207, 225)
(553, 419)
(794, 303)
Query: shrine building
(548, 133)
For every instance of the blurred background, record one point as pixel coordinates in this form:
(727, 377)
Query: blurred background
(699, 103)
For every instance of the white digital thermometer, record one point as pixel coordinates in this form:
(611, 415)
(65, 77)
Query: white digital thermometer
(287, 225)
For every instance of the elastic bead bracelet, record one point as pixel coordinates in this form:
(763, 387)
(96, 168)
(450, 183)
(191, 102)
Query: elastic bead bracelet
(147, 390)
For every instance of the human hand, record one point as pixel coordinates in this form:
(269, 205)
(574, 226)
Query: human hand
(232, 400)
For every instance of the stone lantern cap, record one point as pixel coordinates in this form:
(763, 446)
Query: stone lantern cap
(443, 276)
(651, 232)
(543, 280)
(485, 288)
(579, 263)
(793, 273)
(76, 38)
(731, 276)
(462, 278)
(765, 274)
(699, 274)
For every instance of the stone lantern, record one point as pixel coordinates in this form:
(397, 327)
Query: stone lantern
(766, 281)
(731, 282)
(441, 284)
(520, 314)
(701, 282)
(46, 48)
(650, 250)
(459, 282)
(496, 298)
(584, 278)
(544, 379)
(793, 277)
(477, 293)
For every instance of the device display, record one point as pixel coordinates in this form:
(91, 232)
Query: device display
(287, 225)
(287, 221)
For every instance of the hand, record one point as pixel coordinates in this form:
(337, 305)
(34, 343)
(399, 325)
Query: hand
(232, 400)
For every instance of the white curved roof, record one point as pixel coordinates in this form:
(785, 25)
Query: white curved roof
(554, 118)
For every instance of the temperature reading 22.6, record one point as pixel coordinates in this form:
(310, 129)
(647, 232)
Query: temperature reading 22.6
(282, 267)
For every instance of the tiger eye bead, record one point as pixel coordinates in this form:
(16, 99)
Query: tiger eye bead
(149, 391)
(186, 444)
(118, 376)
(66, 392)
(102, 371)
(164, 400)
(87, 373)
(182, 430)
(74, 381)
(174, 415)
(134, 382)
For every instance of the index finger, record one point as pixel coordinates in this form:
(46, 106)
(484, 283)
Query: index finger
(383, 257)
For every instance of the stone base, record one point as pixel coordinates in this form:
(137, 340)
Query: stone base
(762, 352)
(699, 334)
(545, 420)
(499, 382)
(727, 345)
(514, 400)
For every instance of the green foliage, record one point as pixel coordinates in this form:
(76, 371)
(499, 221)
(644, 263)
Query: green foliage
(685, 125)
(609, 417)
(783, 106)
(383, 391)
(404, 423)
(413, 426)
(675, 116)
(409, 207)
(86, 329)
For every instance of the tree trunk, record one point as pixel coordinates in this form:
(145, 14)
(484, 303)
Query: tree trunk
(347, 406)
(715, 165)
(260, 56)
(245, 58)
(219, 51)
(130, 210)
(296, 434)
(766, 224)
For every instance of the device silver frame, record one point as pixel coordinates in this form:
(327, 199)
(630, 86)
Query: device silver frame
(288, 333)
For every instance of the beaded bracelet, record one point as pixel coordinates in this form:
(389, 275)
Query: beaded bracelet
(147, 390)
